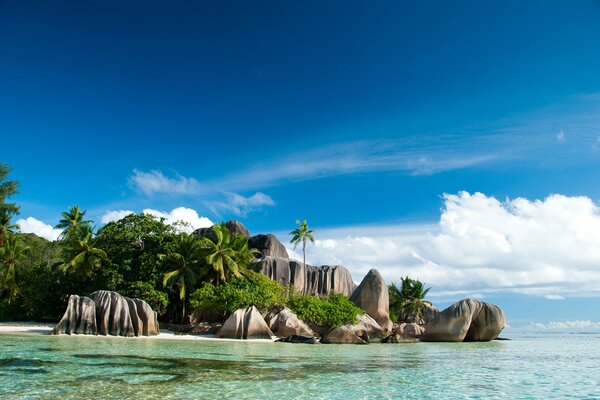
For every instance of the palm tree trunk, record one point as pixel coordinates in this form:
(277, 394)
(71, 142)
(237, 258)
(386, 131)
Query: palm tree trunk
(304, 250)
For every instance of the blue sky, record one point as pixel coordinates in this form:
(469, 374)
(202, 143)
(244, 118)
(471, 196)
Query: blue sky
(356, 116)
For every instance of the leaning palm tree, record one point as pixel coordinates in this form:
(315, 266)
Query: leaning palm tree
(221, 255)
(79, 253)
(72, 220)
(184, 265)
(407, 301)
(302, 234)
(12, 255)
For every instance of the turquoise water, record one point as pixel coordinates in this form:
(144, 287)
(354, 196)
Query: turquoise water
(527, 367)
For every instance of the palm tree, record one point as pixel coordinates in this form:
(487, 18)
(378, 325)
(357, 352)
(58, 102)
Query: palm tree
(6, 227)
(221, 255)
(12, 254)
(79, 252)
(301, 234)
(244, 255)
(184, 265)
(407, 301)
(72, 221)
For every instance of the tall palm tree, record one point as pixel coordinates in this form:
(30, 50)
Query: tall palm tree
(407, 301)
(301, 235)
(221, 255)
(184, 265)
(79, 253)
(72, 221)
(12, 255)
(6, 227)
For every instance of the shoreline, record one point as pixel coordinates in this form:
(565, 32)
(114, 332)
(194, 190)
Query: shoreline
(42, 329)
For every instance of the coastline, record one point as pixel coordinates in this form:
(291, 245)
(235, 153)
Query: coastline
(42, 329)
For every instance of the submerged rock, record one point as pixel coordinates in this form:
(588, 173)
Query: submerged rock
(465, 320)
(398, 338)
(298, 339)
(307, 279)
(372, 296)
(245, 323)
(283, 323)
(107, 313)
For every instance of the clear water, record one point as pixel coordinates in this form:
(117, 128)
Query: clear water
(527, 367)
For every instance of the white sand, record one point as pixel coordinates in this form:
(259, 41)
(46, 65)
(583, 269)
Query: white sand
(46, 329)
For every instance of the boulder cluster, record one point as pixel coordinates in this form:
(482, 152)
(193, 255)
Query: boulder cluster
(107, 313)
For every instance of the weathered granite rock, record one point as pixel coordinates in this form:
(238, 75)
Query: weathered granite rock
(283, 323)
(246, 323)
(465, 320)
(398, 338)
(233, 227)
(298, 339)
(108, 313)
(268, 245)
(367, 330)
(306, 279)
(80, 317)
(409, 329)
(372, 296)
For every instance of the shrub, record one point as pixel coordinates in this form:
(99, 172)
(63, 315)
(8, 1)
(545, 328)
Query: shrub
(334, 310)
(143, 290)
(255, 290)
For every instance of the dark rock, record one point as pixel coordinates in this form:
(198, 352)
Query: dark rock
(372, 296)
(246, 323)
(107, 313)
(79, 318)
(268, 245)
(465, 320)
(398, 338)
(298, 339)
(233, 227)
(308, 280)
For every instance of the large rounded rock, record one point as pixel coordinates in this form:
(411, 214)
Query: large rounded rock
(372, 296)
(107, 313)
(306, 279)
(283, 323)
(465, 320)
(268, 245)
(367, 330)
(79, 318)
(409, 329)
(246, 323)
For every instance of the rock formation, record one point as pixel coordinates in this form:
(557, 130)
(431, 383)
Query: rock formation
(409, 329)
(398, 338)
(307, 279)
(466, 320)
(245, 323)
(367, 330)
(233, 227)
(372, 296)
(283, 323)
(268, 245)
(107, 313)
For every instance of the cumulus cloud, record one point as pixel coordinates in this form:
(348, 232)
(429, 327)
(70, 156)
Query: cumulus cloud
(188, 216)
(240, 205)
(481, 245)
(115, 215)
(156, 182)
(565, 326)
(32, 225)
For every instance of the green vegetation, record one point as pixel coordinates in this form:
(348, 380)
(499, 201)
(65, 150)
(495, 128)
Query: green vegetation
(407, 302)
(334, 310)
(7, 210)
(301, 235)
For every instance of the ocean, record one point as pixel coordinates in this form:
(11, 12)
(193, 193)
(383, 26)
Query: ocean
(530, 366)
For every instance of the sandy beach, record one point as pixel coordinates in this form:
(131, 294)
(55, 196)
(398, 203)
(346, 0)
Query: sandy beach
(33, 328)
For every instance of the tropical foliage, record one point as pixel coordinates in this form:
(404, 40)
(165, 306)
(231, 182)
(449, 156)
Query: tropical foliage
(407, 302)
(13, 254)
(334, 310)
(8, 188)
(301, 235)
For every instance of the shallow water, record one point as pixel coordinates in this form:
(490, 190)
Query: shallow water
(528, 367)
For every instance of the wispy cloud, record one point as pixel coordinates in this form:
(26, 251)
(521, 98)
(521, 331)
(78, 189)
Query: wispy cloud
(575, 326)
(240, 205)
(156, 182)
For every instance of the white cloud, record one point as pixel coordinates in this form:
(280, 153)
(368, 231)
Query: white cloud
(565, 326)
(240, 205)
(481, 245)
(554, 297)
(182, 214)
(156, 182)
(116, 215)
(32, 225)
